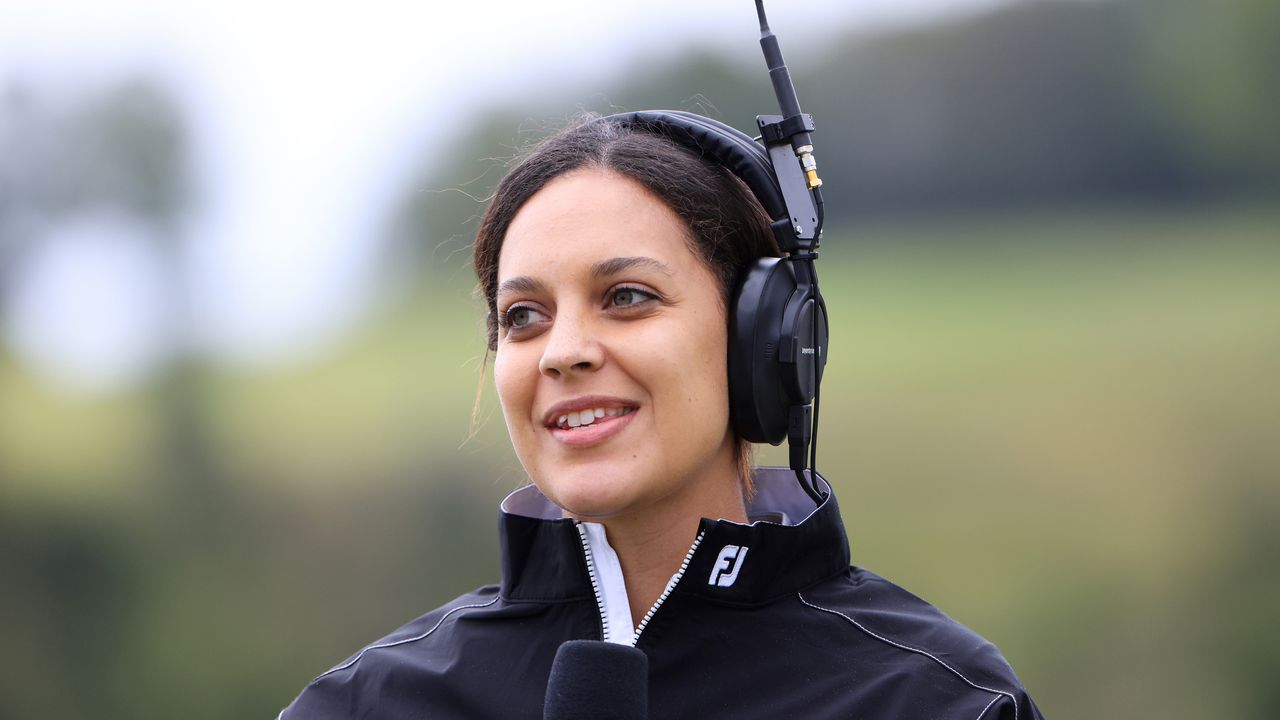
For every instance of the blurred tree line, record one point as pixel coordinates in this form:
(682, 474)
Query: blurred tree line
(237, 564)
(117, 149)
(1035, 105)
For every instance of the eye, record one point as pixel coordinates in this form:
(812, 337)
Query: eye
(521, 316)
(629, 296)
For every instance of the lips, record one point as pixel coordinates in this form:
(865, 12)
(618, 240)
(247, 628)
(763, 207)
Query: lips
(588, 421)
(582, 418)
(586, 410)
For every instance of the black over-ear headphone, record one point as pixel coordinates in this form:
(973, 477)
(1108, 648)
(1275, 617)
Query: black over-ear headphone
(777, 317)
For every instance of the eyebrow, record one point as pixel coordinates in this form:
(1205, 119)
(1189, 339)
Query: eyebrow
(522, 284)
(613, 266)
(526, 285)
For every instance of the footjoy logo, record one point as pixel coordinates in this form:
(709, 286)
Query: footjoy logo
(730, 555)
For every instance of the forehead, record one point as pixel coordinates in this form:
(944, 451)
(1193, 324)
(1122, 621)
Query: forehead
(591, 215)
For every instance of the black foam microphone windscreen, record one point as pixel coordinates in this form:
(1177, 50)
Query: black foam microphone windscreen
(600, 680)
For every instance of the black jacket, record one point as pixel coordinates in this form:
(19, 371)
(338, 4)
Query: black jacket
(765, 620)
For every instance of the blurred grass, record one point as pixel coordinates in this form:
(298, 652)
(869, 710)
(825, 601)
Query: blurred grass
(1058, 427)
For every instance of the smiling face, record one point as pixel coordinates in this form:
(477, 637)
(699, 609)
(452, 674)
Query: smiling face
(610, 361)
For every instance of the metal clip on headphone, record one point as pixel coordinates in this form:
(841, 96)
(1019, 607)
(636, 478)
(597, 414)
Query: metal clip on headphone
(777, 320)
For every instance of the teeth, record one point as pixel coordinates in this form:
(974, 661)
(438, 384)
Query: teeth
(579, 418)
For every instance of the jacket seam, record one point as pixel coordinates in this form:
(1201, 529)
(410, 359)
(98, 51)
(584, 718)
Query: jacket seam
(993, 702)
(918, 651)
(415, 638)
(548, 600)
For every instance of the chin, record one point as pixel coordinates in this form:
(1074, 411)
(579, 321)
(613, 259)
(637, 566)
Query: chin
(593, 491)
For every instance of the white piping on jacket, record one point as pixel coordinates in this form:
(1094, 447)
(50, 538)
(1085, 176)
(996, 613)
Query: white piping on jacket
(416, 638)
(993, 702)
(900, 646)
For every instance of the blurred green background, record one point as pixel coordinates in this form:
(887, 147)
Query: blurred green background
(1052, 406)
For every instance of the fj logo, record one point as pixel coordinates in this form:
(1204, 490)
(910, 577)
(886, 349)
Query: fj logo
(730, 556)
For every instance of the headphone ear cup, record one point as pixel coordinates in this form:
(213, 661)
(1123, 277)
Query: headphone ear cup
(759, 404)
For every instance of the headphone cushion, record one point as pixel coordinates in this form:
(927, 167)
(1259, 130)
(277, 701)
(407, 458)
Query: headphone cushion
(758, 400)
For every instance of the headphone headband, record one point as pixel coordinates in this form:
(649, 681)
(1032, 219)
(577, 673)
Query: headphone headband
(726, 145)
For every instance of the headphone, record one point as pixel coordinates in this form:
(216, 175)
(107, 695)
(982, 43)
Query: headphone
(777, 317)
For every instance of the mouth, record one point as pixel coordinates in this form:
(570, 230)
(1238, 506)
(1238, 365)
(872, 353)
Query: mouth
(589, 421)
(584, 418)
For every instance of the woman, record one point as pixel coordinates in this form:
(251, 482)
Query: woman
(607, 258)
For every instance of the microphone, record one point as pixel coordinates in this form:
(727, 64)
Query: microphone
(793, 123)
(598, 680)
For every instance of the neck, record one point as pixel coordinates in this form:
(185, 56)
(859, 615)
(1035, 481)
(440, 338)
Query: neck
(651, 544)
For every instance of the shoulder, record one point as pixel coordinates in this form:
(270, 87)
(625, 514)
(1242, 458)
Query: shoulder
(347, 689)
(912, 637)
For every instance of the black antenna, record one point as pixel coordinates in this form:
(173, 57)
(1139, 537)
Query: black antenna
(792, 118)
(790, 149)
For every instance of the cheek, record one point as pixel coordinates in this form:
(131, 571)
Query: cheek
(708, 344)
(514, 386)
(711, 404)
(692, 374)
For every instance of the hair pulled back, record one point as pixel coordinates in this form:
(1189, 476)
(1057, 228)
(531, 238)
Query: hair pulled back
(727, 227)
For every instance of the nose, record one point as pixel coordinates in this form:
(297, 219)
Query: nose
(571, 347)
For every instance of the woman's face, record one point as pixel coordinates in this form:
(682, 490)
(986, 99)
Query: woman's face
(611, 361)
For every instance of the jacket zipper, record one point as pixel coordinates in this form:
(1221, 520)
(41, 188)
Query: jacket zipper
(595, 585)
(675, 579)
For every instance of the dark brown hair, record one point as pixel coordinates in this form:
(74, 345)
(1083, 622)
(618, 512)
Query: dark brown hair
(728, 228)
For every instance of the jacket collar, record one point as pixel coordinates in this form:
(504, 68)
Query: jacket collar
(789, 546)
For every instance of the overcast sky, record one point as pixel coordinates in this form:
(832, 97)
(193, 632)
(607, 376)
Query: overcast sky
(293, 106)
